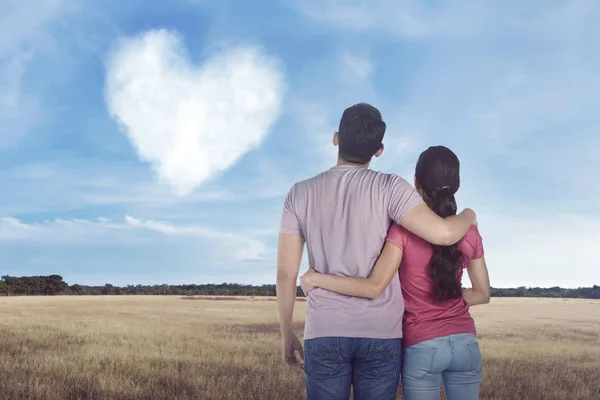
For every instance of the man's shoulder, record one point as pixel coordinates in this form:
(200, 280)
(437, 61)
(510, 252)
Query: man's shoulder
(386, 179)
(389, 178)
(303, 185)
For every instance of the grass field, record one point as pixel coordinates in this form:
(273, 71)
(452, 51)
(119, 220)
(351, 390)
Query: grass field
(169, 348)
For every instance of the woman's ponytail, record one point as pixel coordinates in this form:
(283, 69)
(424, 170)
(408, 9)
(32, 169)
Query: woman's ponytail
(437, 178)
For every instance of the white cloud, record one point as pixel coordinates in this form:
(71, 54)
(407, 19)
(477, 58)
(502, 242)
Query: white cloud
(12, 228)
(152, 225)
(242, 246)
(526, 251)
(397, 17)
(191, 122)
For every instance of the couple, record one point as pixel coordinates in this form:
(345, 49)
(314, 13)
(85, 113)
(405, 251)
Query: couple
(384, 286)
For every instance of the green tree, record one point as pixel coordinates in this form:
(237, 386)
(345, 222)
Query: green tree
(78, 289)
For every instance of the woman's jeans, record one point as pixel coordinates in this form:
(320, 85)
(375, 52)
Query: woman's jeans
(455, 359)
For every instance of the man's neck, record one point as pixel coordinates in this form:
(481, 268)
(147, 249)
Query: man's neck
(341, 161)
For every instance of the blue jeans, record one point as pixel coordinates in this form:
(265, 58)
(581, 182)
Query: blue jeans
(334, 364)
(455, 359)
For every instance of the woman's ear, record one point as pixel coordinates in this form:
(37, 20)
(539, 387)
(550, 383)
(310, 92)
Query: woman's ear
(417, 183)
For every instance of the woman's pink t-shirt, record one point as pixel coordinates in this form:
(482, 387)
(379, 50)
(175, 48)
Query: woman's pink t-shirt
(424, 318)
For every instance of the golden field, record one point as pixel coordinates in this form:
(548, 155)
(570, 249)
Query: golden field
(154, 347)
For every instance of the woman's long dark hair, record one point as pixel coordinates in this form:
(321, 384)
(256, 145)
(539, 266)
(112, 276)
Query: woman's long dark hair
(438, 179)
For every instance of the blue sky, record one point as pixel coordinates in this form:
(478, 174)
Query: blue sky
(146, 142)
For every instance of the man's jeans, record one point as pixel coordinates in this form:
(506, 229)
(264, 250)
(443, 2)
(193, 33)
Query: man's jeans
(456, 359)
(334, 364)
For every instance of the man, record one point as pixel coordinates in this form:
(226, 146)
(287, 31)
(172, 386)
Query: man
(343, 216)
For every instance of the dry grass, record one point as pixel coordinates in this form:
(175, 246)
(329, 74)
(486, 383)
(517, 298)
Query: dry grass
(166, 348)
(237, 298)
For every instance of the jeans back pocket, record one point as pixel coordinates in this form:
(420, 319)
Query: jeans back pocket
(384, 358)
(418, 361)
(322, 357)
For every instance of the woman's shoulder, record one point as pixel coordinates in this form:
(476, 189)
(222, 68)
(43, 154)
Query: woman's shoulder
(405, 239)
(472, 233)
(398, 229)
(397, 235)
(471, 244)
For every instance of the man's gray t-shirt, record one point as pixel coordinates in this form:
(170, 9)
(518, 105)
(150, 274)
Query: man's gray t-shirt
(344, 215)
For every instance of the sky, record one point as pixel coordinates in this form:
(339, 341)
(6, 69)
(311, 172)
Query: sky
(145, 143)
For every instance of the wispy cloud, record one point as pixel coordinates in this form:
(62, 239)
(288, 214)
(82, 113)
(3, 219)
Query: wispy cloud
(23, 35)
(354, 67)
(92, 186)
(237, 247)
(191, 122)
(242, 247)
(396, 17)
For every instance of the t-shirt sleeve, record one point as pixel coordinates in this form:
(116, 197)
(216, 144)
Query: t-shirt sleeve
(397, 235)
(472, 246)
(290, 225)
(403, 198)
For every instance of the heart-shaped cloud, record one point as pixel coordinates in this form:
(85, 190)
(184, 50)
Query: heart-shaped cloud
(191, 122)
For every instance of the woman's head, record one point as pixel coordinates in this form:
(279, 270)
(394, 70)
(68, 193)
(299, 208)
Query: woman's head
(437, 178)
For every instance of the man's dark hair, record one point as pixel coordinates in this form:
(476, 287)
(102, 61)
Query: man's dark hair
(360, 133)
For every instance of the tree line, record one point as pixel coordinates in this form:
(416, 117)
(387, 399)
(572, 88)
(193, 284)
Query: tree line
(55, 285)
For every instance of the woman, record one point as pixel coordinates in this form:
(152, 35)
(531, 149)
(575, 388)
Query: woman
(439, 334)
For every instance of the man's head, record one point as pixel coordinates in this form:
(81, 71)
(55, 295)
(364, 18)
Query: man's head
(360, 134)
